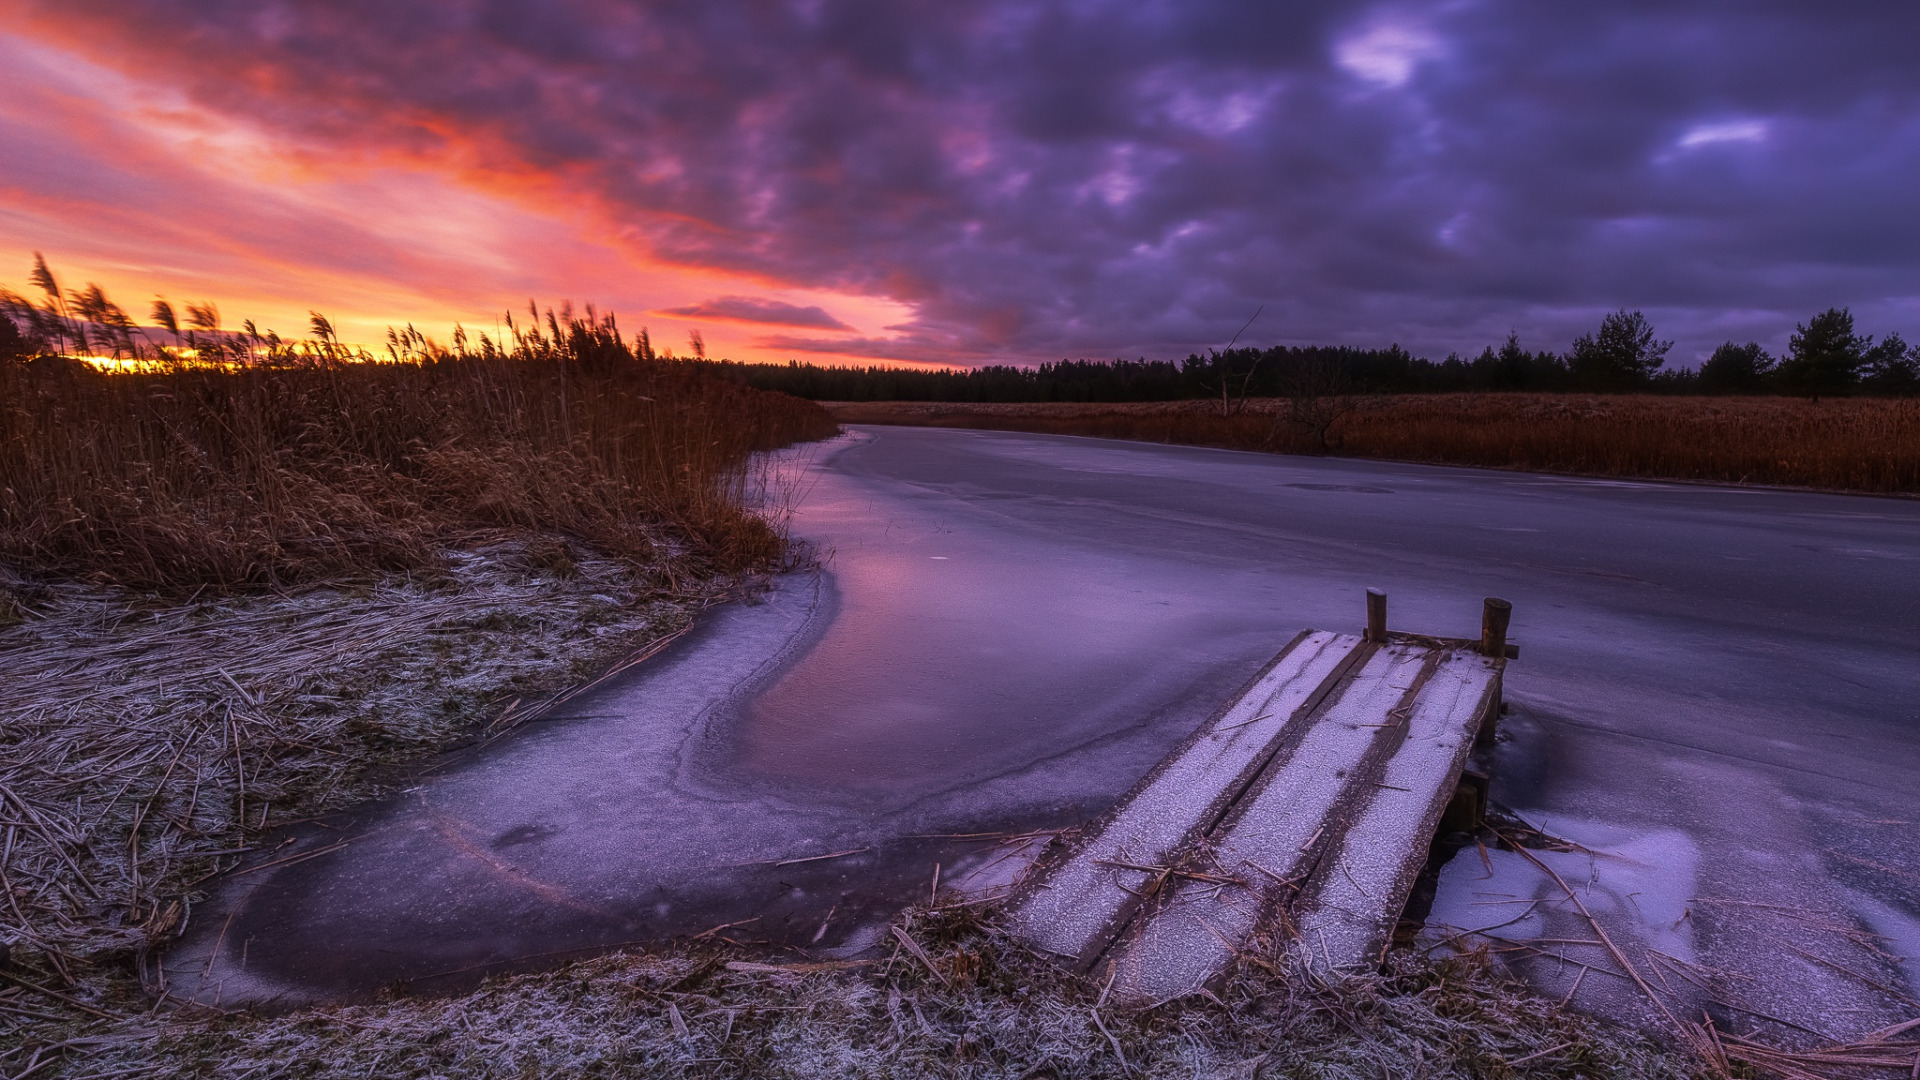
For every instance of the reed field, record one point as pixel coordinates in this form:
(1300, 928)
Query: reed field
(315, 465)
(1868, 445)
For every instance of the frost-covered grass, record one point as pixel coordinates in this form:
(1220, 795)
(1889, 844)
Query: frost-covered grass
(146, 744)
(978, 1006)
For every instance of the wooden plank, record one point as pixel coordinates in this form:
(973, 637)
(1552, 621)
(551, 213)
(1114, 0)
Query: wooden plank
(1346, 913)
(1076, 908)
(1272, 839)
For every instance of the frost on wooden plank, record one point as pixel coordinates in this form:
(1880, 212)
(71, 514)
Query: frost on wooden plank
(1074, 910)
(1195, 929)
(1348, 910)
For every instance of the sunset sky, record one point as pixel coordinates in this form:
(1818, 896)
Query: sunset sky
(969, 182)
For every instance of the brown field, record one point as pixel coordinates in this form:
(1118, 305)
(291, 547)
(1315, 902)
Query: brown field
(328, 467)
(1852, 444)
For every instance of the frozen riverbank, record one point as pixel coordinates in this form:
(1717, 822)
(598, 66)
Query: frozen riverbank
(1018, 626)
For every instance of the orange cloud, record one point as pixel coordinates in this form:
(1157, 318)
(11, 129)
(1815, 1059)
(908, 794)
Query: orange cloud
(131, 184)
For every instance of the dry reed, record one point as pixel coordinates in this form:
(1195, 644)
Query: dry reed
(1848, 444)
(315, 465)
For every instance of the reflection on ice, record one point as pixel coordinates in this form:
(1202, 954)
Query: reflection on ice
(1899, 933)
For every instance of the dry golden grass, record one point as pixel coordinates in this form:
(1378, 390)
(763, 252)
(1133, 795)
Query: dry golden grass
(318, 466)
(1850, 444)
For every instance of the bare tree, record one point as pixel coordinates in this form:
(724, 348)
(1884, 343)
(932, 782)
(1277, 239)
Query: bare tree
(1319, 397)
(1223, 359)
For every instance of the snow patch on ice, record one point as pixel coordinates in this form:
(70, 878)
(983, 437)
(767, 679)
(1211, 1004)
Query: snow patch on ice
(1638, 879)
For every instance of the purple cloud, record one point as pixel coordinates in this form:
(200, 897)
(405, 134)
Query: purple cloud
(1115, 178)
(757, 309)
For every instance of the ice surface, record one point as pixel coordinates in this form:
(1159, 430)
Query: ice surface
(1899, 933)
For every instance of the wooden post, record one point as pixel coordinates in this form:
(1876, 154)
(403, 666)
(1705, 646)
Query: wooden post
(1376, 615)
(1493, 626)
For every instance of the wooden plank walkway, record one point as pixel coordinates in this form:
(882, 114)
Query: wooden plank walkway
(1306, 807)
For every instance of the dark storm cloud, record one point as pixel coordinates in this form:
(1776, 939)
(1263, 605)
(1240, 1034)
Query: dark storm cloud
(757, 309)
(1125, 177)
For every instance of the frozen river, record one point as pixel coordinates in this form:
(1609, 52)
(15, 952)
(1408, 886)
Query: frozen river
(1718, 692)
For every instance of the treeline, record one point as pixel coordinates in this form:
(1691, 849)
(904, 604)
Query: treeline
(1824, 357)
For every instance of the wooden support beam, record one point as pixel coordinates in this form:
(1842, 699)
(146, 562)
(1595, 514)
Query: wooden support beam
(1468, 807)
